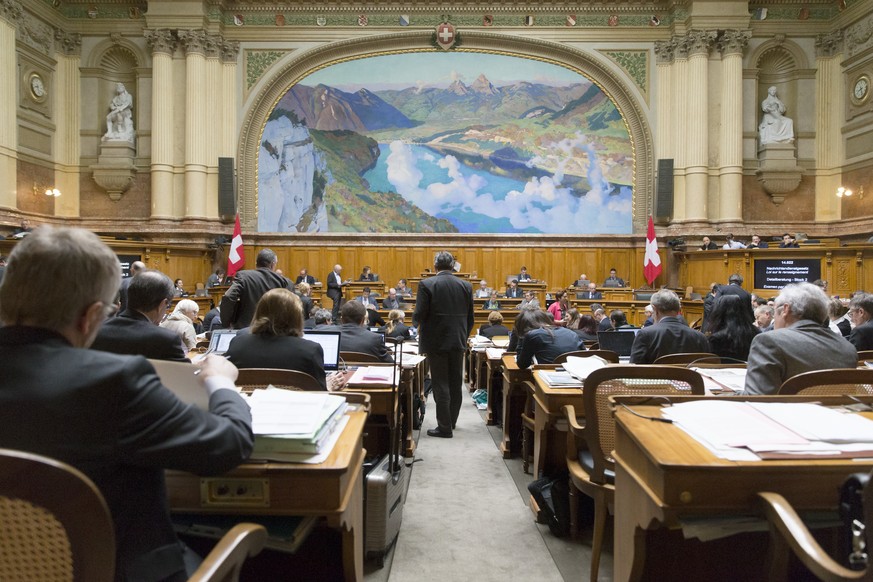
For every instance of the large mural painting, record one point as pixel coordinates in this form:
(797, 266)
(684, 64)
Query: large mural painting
(459, 142)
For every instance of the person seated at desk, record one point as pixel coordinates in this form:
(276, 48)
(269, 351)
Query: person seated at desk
(396, 327)
(798, 343)
(276, 338)
(513, 291)
(136, 330)
(838, 315)
(216, 278)
(585, 326)
(581, 282)
(403, 289)
(105, 414)
(559, 308)
(178, 289)
(731, 244)
(757, 243)
(355, 337)
(613, 280)
(305, 277)
(211, 315)
(542, 339)
(618, 320)
(322, 318)
(366, 298)
(494, 327)
(523, 275)
(492, 302)
(367, 275)
(731, 328)
(591, 293)
(788, 242)
(669, 335)
(861, 313)
(484, 291)
(392, 301)
(181, 321)
(529, 302)
(764, 318)
(708, 245)
(603, 322)
(649, 312)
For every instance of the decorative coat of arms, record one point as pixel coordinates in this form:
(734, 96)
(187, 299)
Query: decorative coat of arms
(445, 36)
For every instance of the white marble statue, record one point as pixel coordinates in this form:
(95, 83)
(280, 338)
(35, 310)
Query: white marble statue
(775, 127)
(119, 121)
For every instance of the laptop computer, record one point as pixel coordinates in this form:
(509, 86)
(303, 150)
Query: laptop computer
(329, 340)
(619, 341)
(220, 340)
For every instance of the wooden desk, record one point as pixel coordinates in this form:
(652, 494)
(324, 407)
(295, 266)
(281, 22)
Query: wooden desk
(663, 474)
(332, 489)
(494, 374)
(550, 427)
(514, 398)
(381, 403)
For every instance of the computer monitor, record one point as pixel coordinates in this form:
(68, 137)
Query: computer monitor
(220, 340)
(619, 341)
(329, 340)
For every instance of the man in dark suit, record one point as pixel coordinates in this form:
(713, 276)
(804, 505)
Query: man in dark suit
(592, 292)
(861, 314)
(444, 317)
(392, 301)
(670, 333)
(238, 305)
(105, 414)
(581, 282)
(514, 291)
(305, 277)
(356, 337)
(613, 280)
(735, 287)
(524, 275)
(335, 286)
(135, 268)
(136, 331)
(757, 243)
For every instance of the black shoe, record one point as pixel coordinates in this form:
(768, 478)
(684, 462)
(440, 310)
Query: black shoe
(436, 432)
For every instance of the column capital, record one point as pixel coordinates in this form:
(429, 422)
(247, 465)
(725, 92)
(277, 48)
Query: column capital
(700, 42)
(664, 51)
(733, 42)
(828, 45)
(161, 40)
(229, 51)
(68, 43)
(680, 47)
(213, 45)
(10, 10)
(193, 41)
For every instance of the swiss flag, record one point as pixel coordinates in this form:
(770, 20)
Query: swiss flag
(652, 262)
(236, 259)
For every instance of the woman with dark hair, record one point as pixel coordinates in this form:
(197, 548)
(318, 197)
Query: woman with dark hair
(276, 338)
(585, 326)
(396, 327)
(540, 338)
(731, 327)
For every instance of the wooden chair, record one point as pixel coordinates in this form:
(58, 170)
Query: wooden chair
(787, 531)
(857, 381)
(255, 378)
(865, 355)
(607, 355)
(688, 358)
(591, 344)
(55, 525)
(359, 357)
(589, 448)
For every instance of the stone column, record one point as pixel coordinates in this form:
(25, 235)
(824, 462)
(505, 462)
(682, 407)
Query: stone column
(10, 12)
(230, 107)
(67, 109)
(214, 96)
(830, 107)
(665, 119)
(194, 43)
(731, 45)
(697, 125)
(163, 45)
(679, 103)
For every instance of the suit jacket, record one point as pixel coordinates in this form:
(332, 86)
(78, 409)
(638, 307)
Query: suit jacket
(514, 293)
(709, 247)
(400, 330)
(110, 417)
(671, 335)
(778, 355)
(862, 336)
(443, 313)
(613, 282)
(122, 292)
(546, 345)
(355, 338)
(604, 324)
(255, 350)
(389, 303)
(491, 331)
(589, 295)
(309, 279)
(525, 277)
(131, 333)
(334, 288)
(760, 245)
(238, 305)
(367, 277)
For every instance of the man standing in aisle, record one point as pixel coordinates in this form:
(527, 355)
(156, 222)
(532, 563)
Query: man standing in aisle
(335, 285)
(238, 304)
(444, 318)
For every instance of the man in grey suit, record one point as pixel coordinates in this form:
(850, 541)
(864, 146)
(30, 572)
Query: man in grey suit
(798, 343)
(136, 267)
(444, 317)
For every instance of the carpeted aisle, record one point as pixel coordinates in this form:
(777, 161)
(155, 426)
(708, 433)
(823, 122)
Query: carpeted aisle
(464, 519)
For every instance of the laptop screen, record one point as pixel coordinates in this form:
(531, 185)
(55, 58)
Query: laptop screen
(619, 341)
(220, 340)
(330, 345)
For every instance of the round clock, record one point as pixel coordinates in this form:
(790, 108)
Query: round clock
(861, 89)
(38, 89)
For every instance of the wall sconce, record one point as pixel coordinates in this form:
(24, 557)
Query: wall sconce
(845, 192)
(44, 190)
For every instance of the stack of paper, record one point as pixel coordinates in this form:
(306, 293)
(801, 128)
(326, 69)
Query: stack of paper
(293, 422)
(373, 375)
(580, 367)
(494, 353)
(716, 380)
(559, 379)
